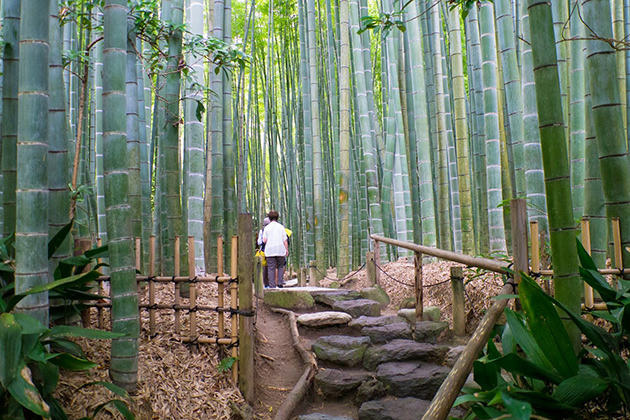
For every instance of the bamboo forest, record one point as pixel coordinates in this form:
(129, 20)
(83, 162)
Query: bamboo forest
(415, 120)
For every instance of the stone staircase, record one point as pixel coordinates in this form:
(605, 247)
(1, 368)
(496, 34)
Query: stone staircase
(371, 366)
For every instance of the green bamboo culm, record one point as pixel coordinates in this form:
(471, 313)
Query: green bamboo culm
(124, 353)
(343, 259)
(608, 117)
(31, 209)
(576, 121)
(10, 60)
(555, 161)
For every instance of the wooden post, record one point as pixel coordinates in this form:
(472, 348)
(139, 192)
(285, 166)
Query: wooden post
(259, 287)
(417, 263)
(377, 262)
(246, 305)
(302, 276)
(457, 288)
(220, 287)
(234, 306)
(312, 274)
(586, 242)
(151, 284)
(178, 326)
(371, 268)
(520, 254)
(192, 303)
(533, 230)
(617, 246)
(99, 311)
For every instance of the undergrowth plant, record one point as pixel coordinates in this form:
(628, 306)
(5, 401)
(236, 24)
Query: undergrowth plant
(32, 354)
(538, 374)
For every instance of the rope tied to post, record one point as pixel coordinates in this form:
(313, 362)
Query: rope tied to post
(234, 280)
(194, 280)
(232, 345)
(336, 279)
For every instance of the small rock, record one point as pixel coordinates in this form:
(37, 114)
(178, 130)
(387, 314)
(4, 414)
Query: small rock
(374, 321)
(324, 319)
(408, 303)
(429, 331)
(376, 293)
(358, 307)
(289, 299)
(430, 313)
(371, 389)
(334, 383)
(453, 355)
(340, 349)
(387, 333)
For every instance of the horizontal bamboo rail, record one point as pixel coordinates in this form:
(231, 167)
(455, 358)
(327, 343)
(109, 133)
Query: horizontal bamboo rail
(177, 279)
(485, 263)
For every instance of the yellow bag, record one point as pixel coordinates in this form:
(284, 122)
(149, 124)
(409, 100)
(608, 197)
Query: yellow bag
(261, 254)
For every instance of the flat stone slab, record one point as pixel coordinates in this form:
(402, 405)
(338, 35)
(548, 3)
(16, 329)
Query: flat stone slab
(376, 293)
(358, 307)
(406, 379)
(403, 350)
(324, 319)
(394, 409)
(341, 349)
(319, 416)
(289, 299)
(334, 383)
(330, 296)
(387, 333)
(429, 331)
(374, 321)
(429, 313)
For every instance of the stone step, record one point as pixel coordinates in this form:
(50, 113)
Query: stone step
(417, 379)
(374, 321)
(336, 383)
(358, 307)
(403, 350)
(324, 319)
(321, 416)
(341, 350)
(393, 408)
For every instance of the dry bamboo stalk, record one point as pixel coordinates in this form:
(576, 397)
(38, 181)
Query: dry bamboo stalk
(617, 245)
(151, 284)
(417, 263)
(207, 340)
(586, 242)
(178, 326)
(234, 305)
(377, 262)
(100, 312)
(221, 288)
(533, 227)
(193, 287)
(595, 307)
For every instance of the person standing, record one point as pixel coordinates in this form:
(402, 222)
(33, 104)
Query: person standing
(261, 246)
(276, 249)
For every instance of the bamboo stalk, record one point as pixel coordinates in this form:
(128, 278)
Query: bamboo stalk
(617, 245)
(152, 284)
(99, 311)
(221, 288)
(205, 340)
(586, 242)
(193, 288)
(178, 326)
(533, 229)
(234, 305)
(457, 287)
(138, 269)
(417, 260)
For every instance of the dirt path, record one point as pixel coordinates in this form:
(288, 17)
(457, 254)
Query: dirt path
(278, 366)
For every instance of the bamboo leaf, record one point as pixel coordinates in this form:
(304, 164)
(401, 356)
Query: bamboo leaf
(526, 341)
(120, 405)
(520, 366)
(25, 392)
(70, 331)
(70, 362)
(59, 238)
(547, 328)
(115, 389)
(520, 410)
(29, 324)
(10, 348)
(578, 390)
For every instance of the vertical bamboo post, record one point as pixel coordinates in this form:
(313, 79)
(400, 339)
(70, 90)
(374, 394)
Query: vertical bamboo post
(234, 306)
(178, 326)
(259, 287)
(246, 305)
(220, 287)
(617, 246)
(302, 276)
(192, 303)
(377, 262)
(586, 242)
(371, 268)
(417, 265)
(533, 229)
(312, 274)
(151, 284)
(546, 282)
(100, 312)
(457, 288)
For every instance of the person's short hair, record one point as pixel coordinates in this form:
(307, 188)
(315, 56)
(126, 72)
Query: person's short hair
(266, 221)
(273, 215)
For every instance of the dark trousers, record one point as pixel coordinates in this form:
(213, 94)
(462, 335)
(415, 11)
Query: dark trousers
(273, 264)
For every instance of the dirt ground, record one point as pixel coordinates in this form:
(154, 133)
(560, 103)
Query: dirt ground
(177, 381)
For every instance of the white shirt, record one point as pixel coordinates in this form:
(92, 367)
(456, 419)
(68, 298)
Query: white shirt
(275, 235)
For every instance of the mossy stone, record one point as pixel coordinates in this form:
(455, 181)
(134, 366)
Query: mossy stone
(377, 294)
(286, 299)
